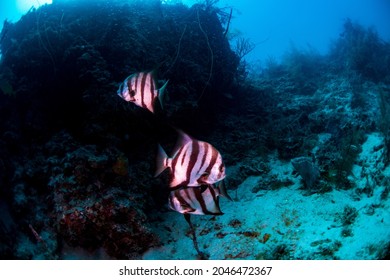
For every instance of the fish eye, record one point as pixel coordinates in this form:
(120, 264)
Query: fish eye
(221, 168)
(132, 93)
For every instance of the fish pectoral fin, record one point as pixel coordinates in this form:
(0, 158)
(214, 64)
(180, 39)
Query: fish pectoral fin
(203, 175)
(187, 209)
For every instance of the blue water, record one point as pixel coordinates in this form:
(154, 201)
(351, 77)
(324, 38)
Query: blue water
(273, 25)
(287, 102)
(302, 22)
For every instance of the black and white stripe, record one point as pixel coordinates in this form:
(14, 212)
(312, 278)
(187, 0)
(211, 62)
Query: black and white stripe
(202, 200)
(196, 163)
(140, 88)
(144, 88)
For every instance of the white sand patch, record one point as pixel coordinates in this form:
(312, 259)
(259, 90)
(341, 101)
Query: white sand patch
(286, 223)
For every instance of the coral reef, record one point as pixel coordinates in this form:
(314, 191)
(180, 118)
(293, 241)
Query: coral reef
(96, 204)
(76, 162)
(329, 111)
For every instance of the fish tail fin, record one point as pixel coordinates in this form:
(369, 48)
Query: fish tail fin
(161, 93)
(222, 190)
(161, 162)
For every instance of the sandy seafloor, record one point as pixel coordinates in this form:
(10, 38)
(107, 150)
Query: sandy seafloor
(288, 223)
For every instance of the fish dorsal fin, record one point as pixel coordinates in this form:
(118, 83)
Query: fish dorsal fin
(182, 140)
(131, 76)
(153, 73)
(184, 137)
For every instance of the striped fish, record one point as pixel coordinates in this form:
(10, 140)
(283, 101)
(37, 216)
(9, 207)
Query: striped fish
(194, 163)
(203, 200)
(140, 88)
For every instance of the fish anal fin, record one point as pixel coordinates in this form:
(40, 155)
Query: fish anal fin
(222, 190)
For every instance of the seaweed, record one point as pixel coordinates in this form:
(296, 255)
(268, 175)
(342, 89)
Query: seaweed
(361, 50)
